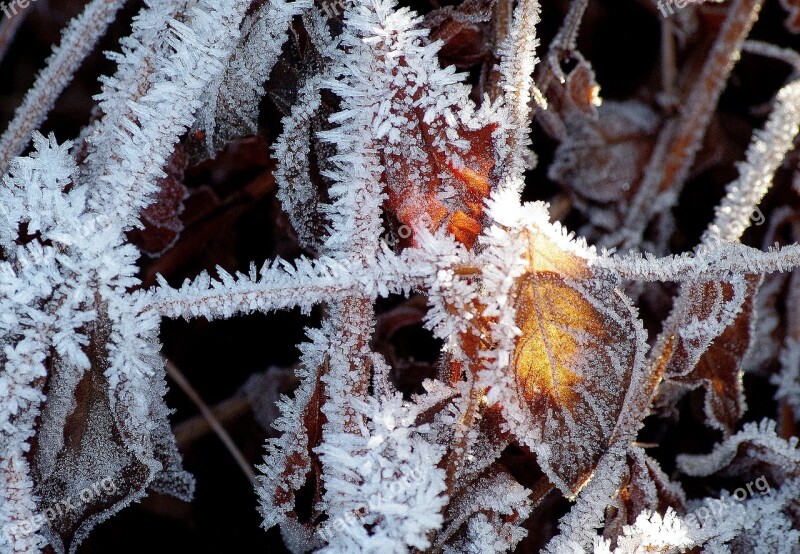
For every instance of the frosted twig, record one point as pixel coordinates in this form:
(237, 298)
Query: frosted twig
(77, 41)
(516, 68)
(768, 50)
(712, 262)
(564, 42)
(678, 144)
(764, 156)
(188, 431)
(281, 286)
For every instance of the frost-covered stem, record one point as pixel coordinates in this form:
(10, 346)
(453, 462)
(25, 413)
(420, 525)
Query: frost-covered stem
(228, 298)
(715, 262)
(21, 383)
(77, 41)
(16, 488)
(579, 526)
(502, 16)
(668, 63)
(563, 44)
(516, 69)
(282, 286)
(349, 373)
(786, 55)
(764, 155)
(678, 144)
(461, 446)
(135, 67)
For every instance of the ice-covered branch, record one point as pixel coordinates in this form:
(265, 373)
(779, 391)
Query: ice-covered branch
(280, 285)
(764, 155)
(518, 55)
(77, 41)
(714, 262)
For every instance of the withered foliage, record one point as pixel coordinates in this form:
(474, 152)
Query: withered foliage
(538, 260)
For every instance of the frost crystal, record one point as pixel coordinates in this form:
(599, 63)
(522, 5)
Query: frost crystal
(401, 177)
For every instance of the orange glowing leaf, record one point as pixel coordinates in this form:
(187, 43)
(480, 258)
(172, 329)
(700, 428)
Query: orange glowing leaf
(580, 347)
(436, 168)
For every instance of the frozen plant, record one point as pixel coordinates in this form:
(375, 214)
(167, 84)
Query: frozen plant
(531, 426)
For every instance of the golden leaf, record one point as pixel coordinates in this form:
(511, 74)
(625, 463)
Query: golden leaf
(580, 346)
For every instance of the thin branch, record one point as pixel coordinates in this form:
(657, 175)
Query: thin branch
(188, 431)
(668, 63)
(78, 40)
(563, 45)
(767, 50)
(714, 262)
(282, 286)
(678, 143)
(763, 158)
(516, 68)
(180, 380)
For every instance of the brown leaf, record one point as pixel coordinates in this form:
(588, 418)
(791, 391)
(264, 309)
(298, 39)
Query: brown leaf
(602, 159)
(580, 347)
(414, 191)
(644, 487)
(292, 464)
(711, 357)
(161, 219)
(86, 466)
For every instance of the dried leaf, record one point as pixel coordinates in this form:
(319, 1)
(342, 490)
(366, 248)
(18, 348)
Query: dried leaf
(496, 497)
(602, 159)
(161, 219)
(644, 487)
(710, 339)
(440, 191)
(291, 462)
(580, 346)
(87, 467)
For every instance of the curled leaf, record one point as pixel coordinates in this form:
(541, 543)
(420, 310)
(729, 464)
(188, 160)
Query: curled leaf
(709, 340)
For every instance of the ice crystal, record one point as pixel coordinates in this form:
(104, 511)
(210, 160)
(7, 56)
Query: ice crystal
(397, 180)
